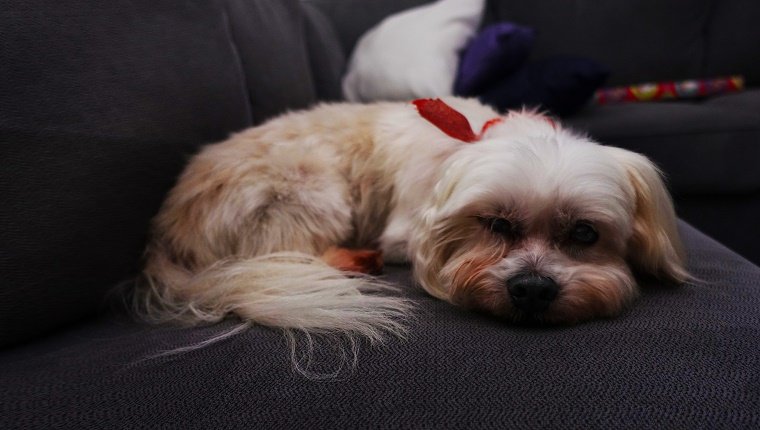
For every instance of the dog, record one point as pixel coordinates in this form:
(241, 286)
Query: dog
(283, 224)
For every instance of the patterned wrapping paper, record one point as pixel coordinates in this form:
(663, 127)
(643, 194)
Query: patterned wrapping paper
(692, 88)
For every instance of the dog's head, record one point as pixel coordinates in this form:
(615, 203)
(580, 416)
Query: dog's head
(535, 223)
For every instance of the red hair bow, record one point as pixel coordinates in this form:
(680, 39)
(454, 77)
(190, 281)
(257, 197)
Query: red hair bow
(450, 121)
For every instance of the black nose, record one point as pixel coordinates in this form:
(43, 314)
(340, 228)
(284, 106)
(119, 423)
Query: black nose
(532, 293)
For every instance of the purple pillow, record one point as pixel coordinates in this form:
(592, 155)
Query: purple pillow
(496, 51)
(561, 85)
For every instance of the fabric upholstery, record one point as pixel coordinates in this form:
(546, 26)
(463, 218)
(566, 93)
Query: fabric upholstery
(351, 19)
(326, 57)
(270, 39)
(696, 143)
(731, 217)
(101, 104)
(639, 41)
(681, 357)
(733, 39)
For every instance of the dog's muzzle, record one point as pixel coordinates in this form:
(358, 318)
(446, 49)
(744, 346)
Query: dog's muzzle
(532, 293)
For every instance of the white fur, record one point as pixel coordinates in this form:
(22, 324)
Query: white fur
(245, 230)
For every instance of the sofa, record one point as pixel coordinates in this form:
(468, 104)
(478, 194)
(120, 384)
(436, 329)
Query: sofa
(101, 104)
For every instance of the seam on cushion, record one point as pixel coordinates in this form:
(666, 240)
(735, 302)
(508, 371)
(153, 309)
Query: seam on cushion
(749, 194)
(310, 14)
(238, 63)
(688, 133)
(306, 51)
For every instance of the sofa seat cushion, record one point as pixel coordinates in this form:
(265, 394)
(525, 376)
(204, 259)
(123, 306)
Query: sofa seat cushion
(683, 357)
(731, 218)
(695, 143)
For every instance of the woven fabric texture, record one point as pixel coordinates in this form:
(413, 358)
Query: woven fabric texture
(682, 357)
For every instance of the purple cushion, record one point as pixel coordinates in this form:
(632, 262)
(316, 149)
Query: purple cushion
(561, 85)
(495, 52)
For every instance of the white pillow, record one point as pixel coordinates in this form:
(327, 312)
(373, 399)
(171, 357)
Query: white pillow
(412, 54)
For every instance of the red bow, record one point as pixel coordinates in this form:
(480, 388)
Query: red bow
(450, 121)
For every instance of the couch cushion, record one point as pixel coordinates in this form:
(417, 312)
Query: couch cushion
(682, 357)
(639, 41)
(351, 18)
(269, 37)
(733, 40)
(695, 143)
(731, 218)
(326, 56)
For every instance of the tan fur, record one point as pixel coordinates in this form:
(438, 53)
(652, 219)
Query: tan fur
(655, 246)
(592, 293)
(205, 217)
(472, 286)
(305, 182)
(265, 225)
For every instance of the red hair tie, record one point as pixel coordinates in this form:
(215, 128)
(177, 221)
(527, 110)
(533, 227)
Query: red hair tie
(450, 121)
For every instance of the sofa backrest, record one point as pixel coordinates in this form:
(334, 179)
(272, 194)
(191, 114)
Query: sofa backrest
(101, 104)
(645, 40)
(639, 40)
(352, 18)
(732, 40)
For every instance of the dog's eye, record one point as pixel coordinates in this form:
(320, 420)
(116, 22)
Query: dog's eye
(584, 233)
(499, 226)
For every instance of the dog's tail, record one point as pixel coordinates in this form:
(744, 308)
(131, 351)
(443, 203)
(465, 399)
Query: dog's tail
(293, 291)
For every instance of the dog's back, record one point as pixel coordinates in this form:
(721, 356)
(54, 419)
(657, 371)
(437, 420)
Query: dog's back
(253, 222)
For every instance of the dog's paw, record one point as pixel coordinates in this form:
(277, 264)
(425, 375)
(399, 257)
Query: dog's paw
(369, 261)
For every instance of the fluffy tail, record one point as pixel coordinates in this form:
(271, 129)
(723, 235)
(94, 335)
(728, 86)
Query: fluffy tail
(286, 290)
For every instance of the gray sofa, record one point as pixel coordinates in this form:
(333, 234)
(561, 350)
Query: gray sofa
(101, 103)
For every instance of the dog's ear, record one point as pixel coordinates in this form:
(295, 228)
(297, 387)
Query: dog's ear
(655, 245)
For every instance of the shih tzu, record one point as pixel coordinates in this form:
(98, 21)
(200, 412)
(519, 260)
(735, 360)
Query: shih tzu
(281, 224)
